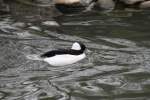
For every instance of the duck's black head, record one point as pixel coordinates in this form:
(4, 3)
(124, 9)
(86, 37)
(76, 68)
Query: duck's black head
(78, 46)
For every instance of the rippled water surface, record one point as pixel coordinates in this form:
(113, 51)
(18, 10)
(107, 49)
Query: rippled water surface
(117, 68)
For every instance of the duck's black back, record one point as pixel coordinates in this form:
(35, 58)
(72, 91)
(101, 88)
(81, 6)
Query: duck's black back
(61, 52)
(65, 51)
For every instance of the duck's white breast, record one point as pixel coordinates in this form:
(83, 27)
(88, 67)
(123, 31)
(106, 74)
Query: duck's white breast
(62, 60)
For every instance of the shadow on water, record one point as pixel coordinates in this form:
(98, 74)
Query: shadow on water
(116, 69)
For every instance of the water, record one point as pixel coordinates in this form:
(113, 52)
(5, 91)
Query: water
(117, 68)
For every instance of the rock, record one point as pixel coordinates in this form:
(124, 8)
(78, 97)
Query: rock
(130, 2)
(106, 4)
(145, 4)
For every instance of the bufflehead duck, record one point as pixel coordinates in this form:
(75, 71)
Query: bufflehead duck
(64, 57)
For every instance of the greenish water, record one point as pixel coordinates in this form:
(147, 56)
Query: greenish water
(117, 68)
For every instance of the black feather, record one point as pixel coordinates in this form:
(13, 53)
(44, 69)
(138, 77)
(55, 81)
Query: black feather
(64, 51)
(61, 52)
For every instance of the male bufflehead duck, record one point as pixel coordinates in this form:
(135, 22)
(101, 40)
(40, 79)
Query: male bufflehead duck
(64, 57)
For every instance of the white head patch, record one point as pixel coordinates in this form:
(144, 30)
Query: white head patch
(76, 46)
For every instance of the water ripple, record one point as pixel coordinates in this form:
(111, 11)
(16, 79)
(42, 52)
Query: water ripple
(116, 68)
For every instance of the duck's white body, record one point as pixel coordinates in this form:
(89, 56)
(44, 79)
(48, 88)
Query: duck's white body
(62, 60)
(65, 57)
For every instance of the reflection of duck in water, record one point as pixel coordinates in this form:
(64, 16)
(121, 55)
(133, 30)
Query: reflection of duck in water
(65, 56)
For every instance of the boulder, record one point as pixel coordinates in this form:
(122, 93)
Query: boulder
(106, 4)
(145, 4)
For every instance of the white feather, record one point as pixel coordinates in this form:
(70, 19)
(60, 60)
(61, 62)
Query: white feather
(76, 46)
(66, 59)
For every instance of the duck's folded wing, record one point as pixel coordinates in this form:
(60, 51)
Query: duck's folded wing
(48, 54)
(54, 52)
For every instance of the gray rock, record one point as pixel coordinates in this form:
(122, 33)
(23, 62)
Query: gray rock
(106, 4)
(145, 4)
(130, 2)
